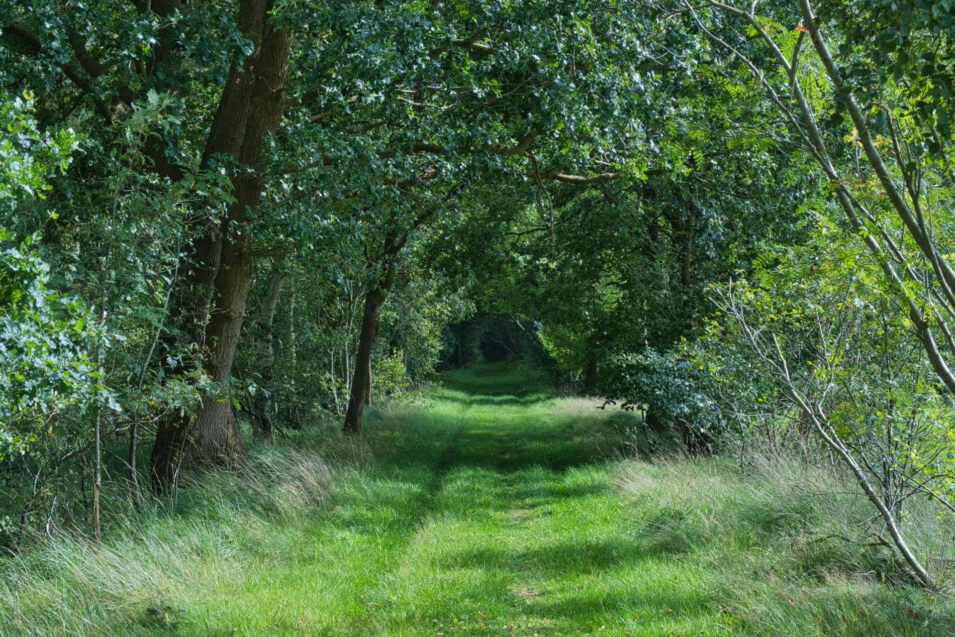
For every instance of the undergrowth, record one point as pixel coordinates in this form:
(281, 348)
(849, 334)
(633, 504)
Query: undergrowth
(492, 505)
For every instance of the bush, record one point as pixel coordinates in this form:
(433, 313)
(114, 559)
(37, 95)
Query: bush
(390, 376)
(44, 365)
(672, 389)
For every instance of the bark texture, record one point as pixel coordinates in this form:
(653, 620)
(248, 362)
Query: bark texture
(361, 383)
(212, 299)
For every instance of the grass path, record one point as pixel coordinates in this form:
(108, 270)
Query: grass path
(491, 512)
(519, 530)
(493, 508)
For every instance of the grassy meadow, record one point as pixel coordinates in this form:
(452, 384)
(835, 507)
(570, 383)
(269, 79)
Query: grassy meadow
(492, 505)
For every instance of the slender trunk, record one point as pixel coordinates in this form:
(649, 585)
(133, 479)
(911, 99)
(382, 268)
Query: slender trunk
(334, 381)
(291, 414)
(160, 329)
(360, 383)
(133, 471)
(348, 374)
(891, 523)
(368, 383)
(100, 360)
(98, 477)
(86, 498)
(263, 405)
(98, 437)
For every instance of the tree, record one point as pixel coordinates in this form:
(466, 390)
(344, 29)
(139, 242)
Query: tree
(47, 369)
(455, 97)
(889, 176)
(909, 120)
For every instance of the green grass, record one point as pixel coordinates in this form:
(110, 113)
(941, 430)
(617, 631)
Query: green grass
(493, 506)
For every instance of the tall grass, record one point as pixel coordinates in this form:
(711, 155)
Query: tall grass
(492, 505)
(143, 575)
(791, 547)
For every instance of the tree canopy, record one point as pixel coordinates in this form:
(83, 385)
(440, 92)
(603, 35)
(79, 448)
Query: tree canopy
(732, 217)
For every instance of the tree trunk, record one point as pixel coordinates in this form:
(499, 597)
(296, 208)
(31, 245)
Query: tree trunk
(217, 437)
(250, 107)
(191, 306)
(368, 383)
(360, 383)
(262, 405)
(360, 393)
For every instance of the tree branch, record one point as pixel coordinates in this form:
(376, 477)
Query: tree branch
(32, 42)
(469, 43)
(574, 179)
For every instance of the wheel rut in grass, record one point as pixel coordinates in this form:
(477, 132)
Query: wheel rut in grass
(509, 471)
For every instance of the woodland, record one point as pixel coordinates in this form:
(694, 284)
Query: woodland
(477, 316)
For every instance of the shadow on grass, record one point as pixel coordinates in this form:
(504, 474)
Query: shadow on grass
(658, 605)
(500, 459)
(455, 435)
(562, 559)
(503, 448)
(499, 381)
(528, 400)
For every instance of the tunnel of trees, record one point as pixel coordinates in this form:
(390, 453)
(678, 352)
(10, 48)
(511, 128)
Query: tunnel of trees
(733, 217)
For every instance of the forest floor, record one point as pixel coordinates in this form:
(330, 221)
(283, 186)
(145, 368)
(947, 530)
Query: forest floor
(490, 506)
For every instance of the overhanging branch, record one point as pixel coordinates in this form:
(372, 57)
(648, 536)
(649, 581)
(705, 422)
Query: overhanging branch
(469, 43)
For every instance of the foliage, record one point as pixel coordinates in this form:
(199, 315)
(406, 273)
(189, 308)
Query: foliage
(45, 367)
(28, 157)
(44, 336)
(412, 319)
(672, 387)
(391, 375)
